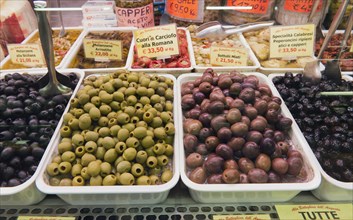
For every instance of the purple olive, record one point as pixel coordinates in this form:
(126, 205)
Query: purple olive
(214, 164)
(236, 143)
(194, 160)
(231, 176)
(251, 150)
(224, 151)
(239, 129)
(190, 142)
(224, 81)
(187, 102)
(238, 104)
(263, 161)
(217, 95)
(235, 89)
(224, 134)
(261, 106)
(216, 107)
(231, 164)
(201, 149)
(273, 177)
(204, 105)
(205, 133)
(284, 146)
(247, 95)
(280, 166)
(252, 80)
(272, 115)
(265, 90)
(269, 133)
(267, 146)
(215, 179)
(254, 136)
(192, 126)
(198, 175)
(245, 164)
(258, 125)
(205, 87)
(278, 136)
(257, 175)
(193, 113)
(284, 124)
(219, 122)
(295, 165)
(199, 97)
(248, 85)
(243, 178)
(211, 143)
(245, 120)
(233, 116)
(205, 119)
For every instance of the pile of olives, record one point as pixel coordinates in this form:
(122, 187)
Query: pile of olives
(234, 132)
(27, 122)
(326, 121)
(119, 131)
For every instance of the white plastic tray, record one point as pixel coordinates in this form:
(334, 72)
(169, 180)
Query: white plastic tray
(252, 56)
(244, 193)
(27, 193)
(101, 195)
(74, 52)
(61, 64)
(330, 189)
(169, 70)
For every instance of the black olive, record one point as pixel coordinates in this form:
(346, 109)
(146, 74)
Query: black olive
(59, 99)
(59, 108)
(34, 144)
(34, 136)
(43, 122)
(19, 83)
(51, 111)
(27, 110)
(16, 76)
(21, 134)
(28, 161)
(22, 96)
(6, 135)
(22, 174)
(24, 151)
(8, 173)
(36, 107)
(41, 100)
(7, 113)
(32, 169)
(43, 114)
(18, 112)
(13, 182)
(51, 104)
(37, 152)
(28, 102)
(15, 162)
(53, 123)
(23, 90)
(10, 90)
(44, 139)
(33, 124)
(7, 153)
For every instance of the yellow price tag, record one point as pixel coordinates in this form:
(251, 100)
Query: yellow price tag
(158, 41)
(315, 211)
(242, 217)
(292, 41)
(26, 54)
(351, 50)
(103, 49)
(228, 56)
(45, 218)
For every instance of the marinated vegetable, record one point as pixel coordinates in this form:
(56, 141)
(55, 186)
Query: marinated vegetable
(234, 132)
(119, 131)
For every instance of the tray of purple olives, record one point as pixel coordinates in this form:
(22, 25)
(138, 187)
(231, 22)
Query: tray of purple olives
(237, 143)
(326, 124)
(27, 123)
(117, 142)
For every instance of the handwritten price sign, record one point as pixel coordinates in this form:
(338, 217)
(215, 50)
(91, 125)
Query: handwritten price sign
(224, 56)
(26, 54)
(351, 50)
(315, 211)
(158, 41)
(242, 217)
(292, 41)
(45, 218)
(183, 9)
(258, 6)
(103, 49)
(300, 6)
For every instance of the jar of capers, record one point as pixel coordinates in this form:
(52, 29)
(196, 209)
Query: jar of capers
(136, 13)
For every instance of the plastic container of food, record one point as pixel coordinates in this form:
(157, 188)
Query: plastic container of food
(255, 63)
(90, 65)
(329, 189)
(169, 70)
(117, 194)
(250, 192)
(70, 41)
(27, 193)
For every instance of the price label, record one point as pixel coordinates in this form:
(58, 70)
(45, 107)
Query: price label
(183, 9)
(292, 41)
(158, 41)
(242, 217)
(225, 56)
(29, 55)
(315, 211)
(351, 50)
(258, 6)
(45, 218)
(300, 6)
(103, 49)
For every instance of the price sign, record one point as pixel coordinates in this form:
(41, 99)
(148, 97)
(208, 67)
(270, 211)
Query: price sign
(158, 41)
(225, 56)
(242, 217)
(26, 54)
(103, 49)
(184, 9)
(292, 41)
(45, 218)
(315, 211)
(300, 6)
(351, 50)
(258, 6)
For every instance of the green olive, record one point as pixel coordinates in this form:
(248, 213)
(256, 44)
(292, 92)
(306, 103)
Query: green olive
(168, 106)
(87, 158)
(138, 106)
(54, 181)
(132, 142)
(94, 113)
(167, 175)
(132, 77)
(160, 133)
(109, 180)
(93, 92)
(141, 157)
(84, 173)
(169, 94)
(68, 156)
(144, 81)
(169, 129)
(114, 105)
(141, 91)
(117, 83)
(123, 118)
(156, 122)
(155, 171)
(169, 82)
(104, 132)
(93, 168)
(123, 167)
(91, 136)
(65, 131)
(64, 167)
(83, 99)
(126, 179)
(80, 151)
(53, 169)
(74, 103)
(78, 181)
(105, 109)
(147, 142)
(76, 170)
(133, 84)
(166, 118)
(153, 84)
(106, 169)
(84, 122)
(78, 140)
(103, 121)
(120, 147)
(130, 91)
(150, 92)
(123, 134)
(137, 170)
(130, 110)
(134, 119)
(64, 146)
(159, 149)
(153, 111)
(143, 180)
(162, 160)
(129, 154)
(95, 181)
(142, 124)
(114, 130)
(139, 113)
(160, 91)
(56, 159)
(129, 126)
(155, 99)
(169, 150)
(140, 132)
(110, 156)
(108, 87)
(100, 152)
(118, 96)
(95, 100)
(154, 179)
(150, 132)
(108, 142)
(148, 117)
(65, 182)
(112, 115)
(91, 147)
(131, 100)
(151, 161)
(73, 124)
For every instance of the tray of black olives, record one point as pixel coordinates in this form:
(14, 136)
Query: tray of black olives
(27, 123)
(326, 124)
(238, 142)
(117, 143)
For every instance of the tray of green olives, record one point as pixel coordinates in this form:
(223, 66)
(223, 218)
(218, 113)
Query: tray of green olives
(117, 142)
(28, 121)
